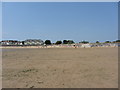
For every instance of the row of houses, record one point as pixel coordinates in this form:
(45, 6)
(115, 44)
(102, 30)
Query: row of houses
(98, 45)
(81, 45)
(28, 42)
(88, 45)
(39, 42)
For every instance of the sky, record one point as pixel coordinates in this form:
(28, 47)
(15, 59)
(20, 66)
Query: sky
(0, 20)
(90, 21)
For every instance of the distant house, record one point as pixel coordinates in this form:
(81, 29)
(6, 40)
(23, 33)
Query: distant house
(85, 45)
(33, 42)
(28, 42)
(10, 43)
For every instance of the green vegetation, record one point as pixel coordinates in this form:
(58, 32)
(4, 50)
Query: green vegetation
(97, 42)
(117, 41)
(68, 42)
(58, 42)
(30, 70)
(48, 42)
(107, 42)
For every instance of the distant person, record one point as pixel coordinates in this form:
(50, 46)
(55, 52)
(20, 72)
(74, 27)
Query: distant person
(45, 45)
(75, 46)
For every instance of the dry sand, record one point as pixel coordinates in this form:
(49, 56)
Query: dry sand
(60, 68)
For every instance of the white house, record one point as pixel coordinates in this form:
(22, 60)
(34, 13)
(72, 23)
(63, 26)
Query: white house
(85, 45)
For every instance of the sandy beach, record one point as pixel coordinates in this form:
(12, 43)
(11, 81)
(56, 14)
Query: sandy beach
(60, 67)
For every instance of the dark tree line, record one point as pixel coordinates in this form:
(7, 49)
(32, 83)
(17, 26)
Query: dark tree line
(48, 42)
(68, 42)
(58, 42)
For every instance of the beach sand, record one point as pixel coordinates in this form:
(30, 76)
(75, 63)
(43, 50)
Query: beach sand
(60, 68)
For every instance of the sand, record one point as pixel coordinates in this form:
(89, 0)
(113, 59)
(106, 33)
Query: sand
(60, 68)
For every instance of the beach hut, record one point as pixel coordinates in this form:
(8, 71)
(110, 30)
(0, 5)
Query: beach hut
(85, 45)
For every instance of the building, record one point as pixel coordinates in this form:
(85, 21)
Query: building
(10, 43)
(85, 45)
(33, 42)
